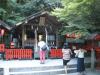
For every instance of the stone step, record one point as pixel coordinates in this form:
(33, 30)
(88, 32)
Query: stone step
(87, 72)
(69, 74)
(39, 68)
(33, 67)
(23, 69)
(44, 72)
(1, 71)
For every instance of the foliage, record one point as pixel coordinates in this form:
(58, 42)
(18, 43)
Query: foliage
(74, 30)
(82, 14)
(75, 11)
(13, 11)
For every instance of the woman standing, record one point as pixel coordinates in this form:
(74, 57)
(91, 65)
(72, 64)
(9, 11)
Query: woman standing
(80, 61)
(66, 56)
(42, 52)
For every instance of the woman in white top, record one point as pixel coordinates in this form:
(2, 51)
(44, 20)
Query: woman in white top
(66, 56)
(80, 61)
(42, 52)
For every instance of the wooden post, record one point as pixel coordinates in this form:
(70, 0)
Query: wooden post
(22, 36)
(56, 40)
(92, 57)
(46, 32)
(36, 45)
(46, 36)
(36, 40)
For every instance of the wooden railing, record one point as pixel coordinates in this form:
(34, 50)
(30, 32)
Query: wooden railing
(97, 53)
(2, 47)
(18, 54)
(56, 53)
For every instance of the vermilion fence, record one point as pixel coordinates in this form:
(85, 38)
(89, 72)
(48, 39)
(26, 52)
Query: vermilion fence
(27, 53)
(2, 47)
(97, 49)
(56, 53)
(18, 54)
(97, 53)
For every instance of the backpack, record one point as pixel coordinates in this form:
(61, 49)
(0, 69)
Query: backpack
(44, 48)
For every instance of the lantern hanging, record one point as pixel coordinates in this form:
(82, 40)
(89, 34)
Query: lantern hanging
(2, 32)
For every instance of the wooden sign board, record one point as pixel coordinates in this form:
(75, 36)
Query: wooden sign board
(42, 21)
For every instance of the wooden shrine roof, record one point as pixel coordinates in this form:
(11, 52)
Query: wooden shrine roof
(32, 21)
(95, 36)
(52, 19)
(6, 26)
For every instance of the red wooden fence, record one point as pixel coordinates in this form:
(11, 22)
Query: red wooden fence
(97, 53)
(56, 53)
(98, 57)
(2, 47)
(18, 54)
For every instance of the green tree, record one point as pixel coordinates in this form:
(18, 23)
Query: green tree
(83, 14)
(13, 11)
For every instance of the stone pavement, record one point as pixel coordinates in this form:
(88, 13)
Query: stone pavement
(33, 67)
(96, 72)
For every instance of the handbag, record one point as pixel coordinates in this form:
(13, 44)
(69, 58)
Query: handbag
(44, 48)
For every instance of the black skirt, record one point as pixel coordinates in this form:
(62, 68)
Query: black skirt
(80, 65)
(65, 62)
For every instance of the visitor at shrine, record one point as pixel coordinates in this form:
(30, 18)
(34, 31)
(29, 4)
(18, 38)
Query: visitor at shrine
(66, 56)
(80, 61)
(42, 49)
